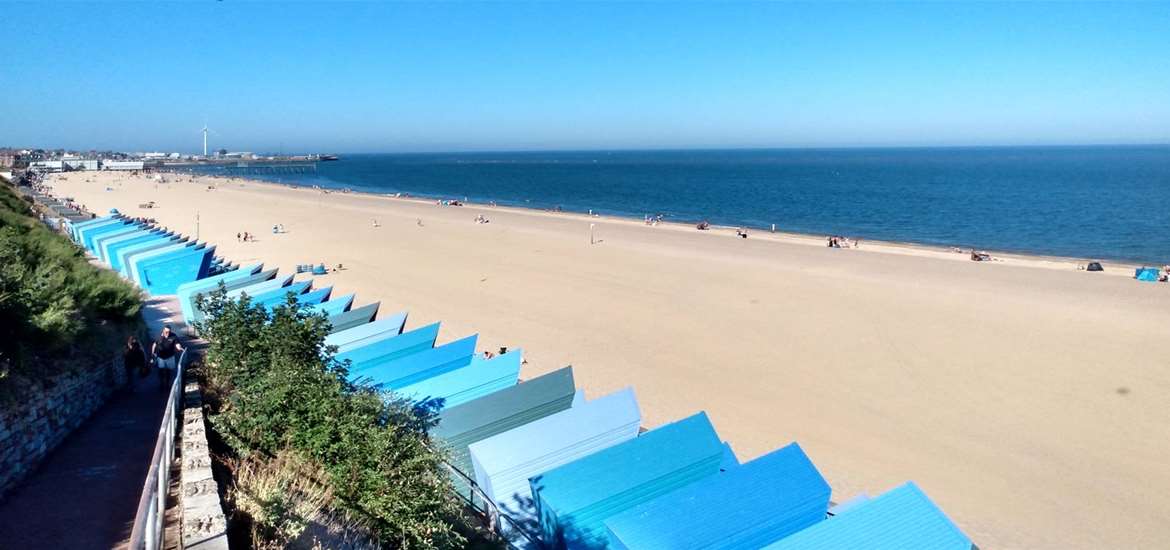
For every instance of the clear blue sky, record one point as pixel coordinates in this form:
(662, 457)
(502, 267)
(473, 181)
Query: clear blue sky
(434, 77)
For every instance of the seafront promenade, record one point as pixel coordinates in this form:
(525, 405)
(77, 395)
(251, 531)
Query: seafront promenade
(885, 366)
(86, 493)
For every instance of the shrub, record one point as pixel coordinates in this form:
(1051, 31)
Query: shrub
(56, 308)
(280, 390)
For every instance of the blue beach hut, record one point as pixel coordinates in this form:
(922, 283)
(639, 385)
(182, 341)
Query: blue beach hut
(361, 335)
(478, 378)
(110, 248)
(574, 500)
(189, 291)
(136, 260)
(90, 234)
(369, 353)
(332, 306)
(279, 295)
(99, 240)
(162, 271)
(746, 507)
(901, 519)
(196, 315)
(127, 253)
(419, 366)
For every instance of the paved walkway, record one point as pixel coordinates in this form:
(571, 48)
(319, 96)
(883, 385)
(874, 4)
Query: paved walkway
(85, 494)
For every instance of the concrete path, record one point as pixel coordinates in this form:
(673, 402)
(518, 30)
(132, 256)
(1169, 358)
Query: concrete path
(86, 492)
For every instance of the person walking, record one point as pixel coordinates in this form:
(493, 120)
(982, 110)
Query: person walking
(134, 361)
(166, 350)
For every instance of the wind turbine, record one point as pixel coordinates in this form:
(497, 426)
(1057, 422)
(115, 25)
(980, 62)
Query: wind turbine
(205, 131)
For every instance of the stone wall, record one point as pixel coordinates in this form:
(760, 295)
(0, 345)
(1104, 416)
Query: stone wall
(204, 525)
(46, 414)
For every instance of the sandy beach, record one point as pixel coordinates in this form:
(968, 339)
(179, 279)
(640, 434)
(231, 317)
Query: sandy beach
(1029, 399)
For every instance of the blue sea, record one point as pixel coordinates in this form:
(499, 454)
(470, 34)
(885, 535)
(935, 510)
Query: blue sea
(1084, 202)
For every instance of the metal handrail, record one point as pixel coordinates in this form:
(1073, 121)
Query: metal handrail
(495, 518)
(150, 519)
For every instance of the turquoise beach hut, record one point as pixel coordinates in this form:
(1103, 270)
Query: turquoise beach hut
(901, 519)
(574, 500)
(745, 507)
(373, 352)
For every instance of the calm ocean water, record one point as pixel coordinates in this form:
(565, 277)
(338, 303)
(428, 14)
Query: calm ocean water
(1099, 202)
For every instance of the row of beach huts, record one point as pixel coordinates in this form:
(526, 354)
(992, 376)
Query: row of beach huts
(563, 470)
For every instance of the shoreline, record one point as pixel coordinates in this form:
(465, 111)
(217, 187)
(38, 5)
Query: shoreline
(1112, 267)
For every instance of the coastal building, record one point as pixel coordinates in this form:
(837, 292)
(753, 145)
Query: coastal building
(81, 164)
(47, 166)
(122, 165)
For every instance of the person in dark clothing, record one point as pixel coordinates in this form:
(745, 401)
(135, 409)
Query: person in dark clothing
(133, 360)
(166, 351)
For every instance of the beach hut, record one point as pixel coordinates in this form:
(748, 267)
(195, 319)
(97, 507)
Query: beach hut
(163, 270)
(410, 369)
(110, 248)
(193, 315)
(274, 297)
(260, 288)
(188, 292)
(375, 352)
(332, 306)
(130, 266)
(309, 298)
(746, 507)
(127, 253)
(495, 413)
(478, 378)
(361, 335)
(99, 240)
(901, 519)
(503, 463)
(355, 317)
(76, 228)
(574, 500)
(89, 234)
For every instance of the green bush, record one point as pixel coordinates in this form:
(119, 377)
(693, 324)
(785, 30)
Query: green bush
(56, 309)
(279, 390)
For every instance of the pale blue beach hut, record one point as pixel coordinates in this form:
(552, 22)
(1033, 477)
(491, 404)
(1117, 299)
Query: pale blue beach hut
(368, 333)
(504, 462)
(495, 413)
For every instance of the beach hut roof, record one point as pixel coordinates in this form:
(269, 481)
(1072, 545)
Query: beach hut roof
(514, 402)
(901, 519)
(649, 456)
(746, 507)
(354, 337)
